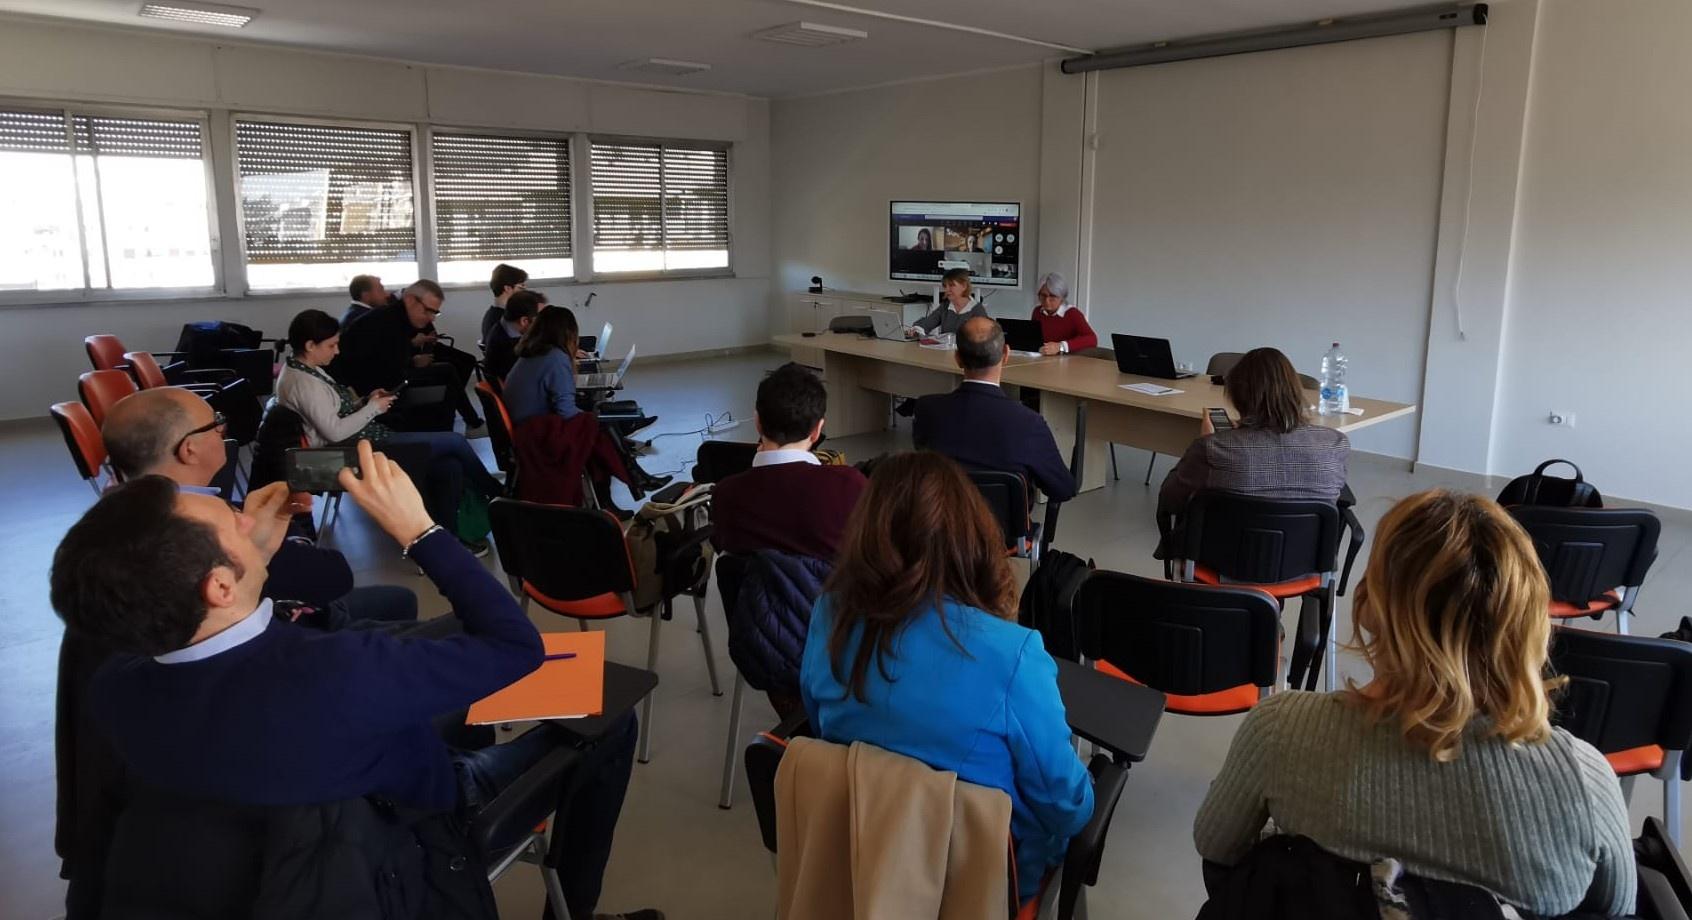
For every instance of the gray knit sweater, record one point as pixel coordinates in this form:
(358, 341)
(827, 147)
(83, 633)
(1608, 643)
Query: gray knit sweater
(1539, 825)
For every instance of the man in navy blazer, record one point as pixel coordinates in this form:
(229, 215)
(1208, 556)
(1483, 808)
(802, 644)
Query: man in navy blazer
(980, 426)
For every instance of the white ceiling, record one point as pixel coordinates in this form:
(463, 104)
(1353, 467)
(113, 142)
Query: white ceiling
(590, 38)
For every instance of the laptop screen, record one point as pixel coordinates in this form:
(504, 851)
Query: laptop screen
(628, 359)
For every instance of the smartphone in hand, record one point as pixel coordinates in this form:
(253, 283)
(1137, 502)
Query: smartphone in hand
(318, 469)
(1219, 419)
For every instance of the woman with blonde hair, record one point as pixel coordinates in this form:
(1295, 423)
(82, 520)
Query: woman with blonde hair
(959, 304)
(1446, 759)
(914, 648)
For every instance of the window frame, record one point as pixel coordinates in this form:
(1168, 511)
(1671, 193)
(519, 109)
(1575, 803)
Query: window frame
(576, 191)
(86, 293)
(422, 204)
(727, 271)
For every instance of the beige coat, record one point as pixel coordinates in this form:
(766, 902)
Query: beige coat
(865, 834)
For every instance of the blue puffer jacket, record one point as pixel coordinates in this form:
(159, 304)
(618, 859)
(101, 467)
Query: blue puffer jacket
(771, 616)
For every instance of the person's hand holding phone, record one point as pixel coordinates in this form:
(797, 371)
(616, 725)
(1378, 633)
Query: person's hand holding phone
(381, 399)
(1206, 426)
(387, 494)
(270, 508)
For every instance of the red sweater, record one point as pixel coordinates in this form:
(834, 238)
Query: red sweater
(792, 507)
(1068, 325)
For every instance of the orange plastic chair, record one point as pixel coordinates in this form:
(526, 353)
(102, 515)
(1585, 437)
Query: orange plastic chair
(101, 390)
(82, 438)
(105, 352)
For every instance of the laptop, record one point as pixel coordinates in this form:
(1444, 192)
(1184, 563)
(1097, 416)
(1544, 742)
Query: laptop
(1144, 356)
(1023, 335)
(887, 325)
(595, 346)
(609, 381)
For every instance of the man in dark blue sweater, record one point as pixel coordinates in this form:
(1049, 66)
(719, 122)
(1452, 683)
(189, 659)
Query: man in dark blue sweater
(212, 697)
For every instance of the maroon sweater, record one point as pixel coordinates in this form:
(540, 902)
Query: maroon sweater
(792, 507)
(1069, 324)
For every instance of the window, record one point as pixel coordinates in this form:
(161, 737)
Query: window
(501, 199)
(322, 203)
(95, 202)
(659, 207)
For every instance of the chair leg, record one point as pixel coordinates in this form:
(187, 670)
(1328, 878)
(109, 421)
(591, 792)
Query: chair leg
(1621, 630)
(731, 749)
(1114, 474)
(1150, 465)
(645, 753)
(554, 888)
(1670, 774)
(705, 643)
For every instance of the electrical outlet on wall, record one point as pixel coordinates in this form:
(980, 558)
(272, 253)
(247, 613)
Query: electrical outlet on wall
(1560, 418)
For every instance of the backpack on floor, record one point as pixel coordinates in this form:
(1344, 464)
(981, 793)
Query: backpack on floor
(1048, 602)
(1536, 488)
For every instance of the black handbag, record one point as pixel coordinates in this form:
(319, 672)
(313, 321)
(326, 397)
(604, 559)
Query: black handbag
(1536, 488)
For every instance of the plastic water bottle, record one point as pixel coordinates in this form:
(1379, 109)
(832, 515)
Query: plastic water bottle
(1336, 398)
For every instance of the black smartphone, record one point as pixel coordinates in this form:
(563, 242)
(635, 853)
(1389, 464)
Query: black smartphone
(318, 469)
(396, 391)
(1219, 419)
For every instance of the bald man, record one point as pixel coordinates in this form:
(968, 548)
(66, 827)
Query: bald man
(979, 426)
(170, 432)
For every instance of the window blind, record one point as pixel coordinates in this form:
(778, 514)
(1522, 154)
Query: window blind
(325, 194)
(659, 197)
(25, 131)
(501, 198)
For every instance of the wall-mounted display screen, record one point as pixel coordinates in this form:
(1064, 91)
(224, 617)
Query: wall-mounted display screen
(927, 238)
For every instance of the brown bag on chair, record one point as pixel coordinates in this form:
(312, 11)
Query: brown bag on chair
(653, 533)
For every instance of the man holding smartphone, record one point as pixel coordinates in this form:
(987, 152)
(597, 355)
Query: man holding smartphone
(210, 698)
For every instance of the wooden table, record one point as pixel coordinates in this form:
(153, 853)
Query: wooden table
(860, 372)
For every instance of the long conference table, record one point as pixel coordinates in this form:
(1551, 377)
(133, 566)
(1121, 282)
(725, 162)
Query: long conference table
(860, 373)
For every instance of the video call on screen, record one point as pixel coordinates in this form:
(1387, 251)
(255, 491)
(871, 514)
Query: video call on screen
(928, 238)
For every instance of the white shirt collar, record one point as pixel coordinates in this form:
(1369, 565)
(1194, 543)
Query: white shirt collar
(1061, 310)
(199, 490)
(776, 457)
(511, 329)
(246, 629)
(983, 383)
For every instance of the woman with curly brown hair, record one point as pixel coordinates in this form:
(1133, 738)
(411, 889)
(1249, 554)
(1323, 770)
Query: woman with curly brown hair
(1446, 759)
(914, 648)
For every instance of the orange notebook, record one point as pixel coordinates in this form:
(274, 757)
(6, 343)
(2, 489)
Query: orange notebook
(565, 688)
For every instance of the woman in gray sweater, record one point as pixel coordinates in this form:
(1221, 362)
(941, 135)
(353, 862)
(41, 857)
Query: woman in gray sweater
(1446, 759)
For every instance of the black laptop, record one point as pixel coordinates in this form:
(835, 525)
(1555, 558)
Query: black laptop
(1144, 356)
(1022, 334)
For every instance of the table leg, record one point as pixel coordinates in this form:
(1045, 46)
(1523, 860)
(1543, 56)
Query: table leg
(1059, 412)
(851, 408)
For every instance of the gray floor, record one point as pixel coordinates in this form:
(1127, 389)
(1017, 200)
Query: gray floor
(675, 849)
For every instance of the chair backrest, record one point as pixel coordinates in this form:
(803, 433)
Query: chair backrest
(1007, 497)
(105, 352)
(101, 390)
(1179, 638)
(565, 553)
(1222, 362)
(281, 430)
(82, 437)
(1624, 691)
(718, 460)
(146, 370)
(499, 426)
(1589, 551)
(731, 574)
(1261, 540)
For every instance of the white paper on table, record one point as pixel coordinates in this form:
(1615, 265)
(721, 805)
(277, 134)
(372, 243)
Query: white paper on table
(1150, 389)
(942, 346)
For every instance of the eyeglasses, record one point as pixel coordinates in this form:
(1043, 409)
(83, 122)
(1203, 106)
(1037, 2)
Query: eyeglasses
(432, 311)
(216, 424)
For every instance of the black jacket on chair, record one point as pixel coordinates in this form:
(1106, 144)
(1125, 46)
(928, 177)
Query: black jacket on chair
(361, 858)
(771, 617)
(980, 426)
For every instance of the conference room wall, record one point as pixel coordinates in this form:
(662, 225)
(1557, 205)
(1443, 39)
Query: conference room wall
(837, 159)
(1289, 198)
(1599, 324)
(41, 344)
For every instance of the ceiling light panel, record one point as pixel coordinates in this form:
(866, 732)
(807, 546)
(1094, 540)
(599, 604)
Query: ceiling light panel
(809, 34)
(200, 14)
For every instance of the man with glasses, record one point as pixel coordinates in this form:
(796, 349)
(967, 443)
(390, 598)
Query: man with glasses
(380, 351)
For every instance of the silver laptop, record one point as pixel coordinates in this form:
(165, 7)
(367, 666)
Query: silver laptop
(607, 381)
(887, 325)
(603, 342)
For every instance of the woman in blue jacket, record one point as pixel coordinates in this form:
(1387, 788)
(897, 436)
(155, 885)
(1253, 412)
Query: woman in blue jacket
(914, 648)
